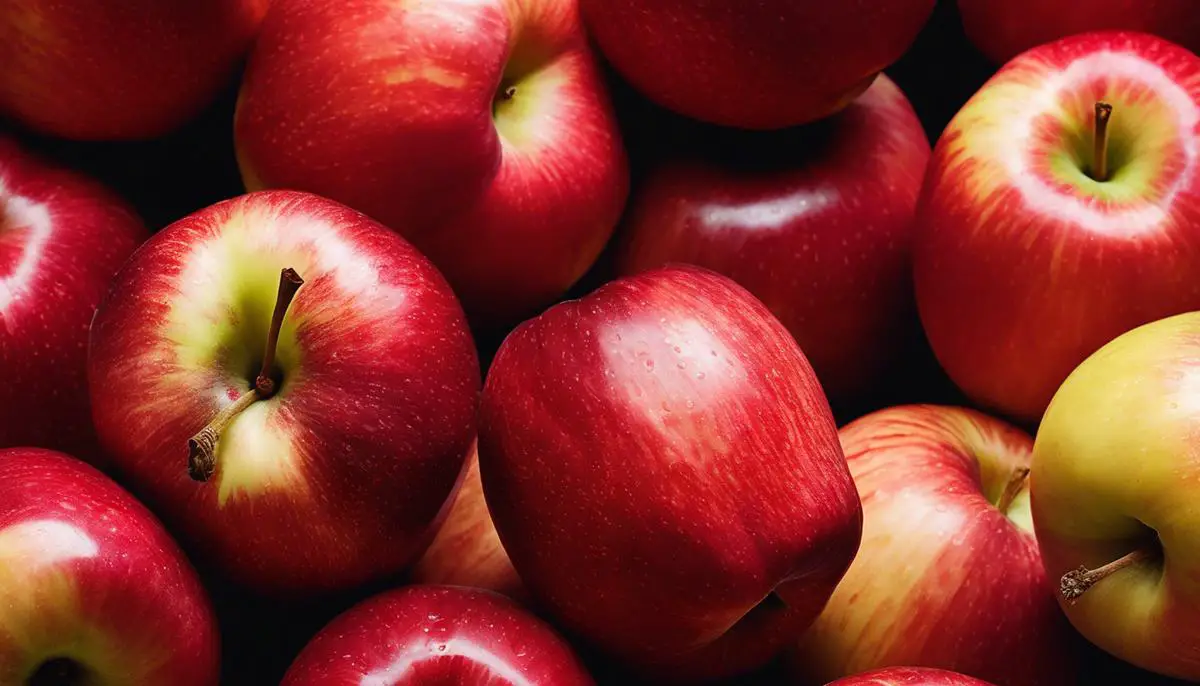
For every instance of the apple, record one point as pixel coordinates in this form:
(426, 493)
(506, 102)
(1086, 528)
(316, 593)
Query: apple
(92, 588)
(301, 447)
(759, 65)
(663, 470)
(909, 676)
(481, 131)
(467, 550)
(1114, 498)
(62, 238)
(948, 575)
(816, 222)
(1060, 211)
(1002, 30)
(433, 634)
(119, 69)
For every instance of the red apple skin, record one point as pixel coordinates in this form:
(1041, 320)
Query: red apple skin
(395, 109)
(1023, 265)
(738, 64)
(823, 239)
(1002, 30)
(87, 573)
(345, 471)
(909, 676)
(118, 69)
(430, 635)
(666, 435)
(62, 238)
(944, 578)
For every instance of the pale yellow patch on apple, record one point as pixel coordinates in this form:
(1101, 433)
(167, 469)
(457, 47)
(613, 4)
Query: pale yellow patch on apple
(429, 73)
(256, 455)
(532, 119)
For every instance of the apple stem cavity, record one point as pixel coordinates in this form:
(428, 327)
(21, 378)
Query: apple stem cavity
(1100, 142)
(508, 93)
(1077, 581)
(1016, 482)
(202, 448)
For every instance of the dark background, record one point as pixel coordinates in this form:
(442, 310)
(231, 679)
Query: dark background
(169, 178)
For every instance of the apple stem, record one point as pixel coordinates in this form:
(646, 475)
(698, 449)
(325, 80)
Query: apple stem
(202, 448)
(1015, 483)
(508, 93)
(1076, 582)
(1100, 142)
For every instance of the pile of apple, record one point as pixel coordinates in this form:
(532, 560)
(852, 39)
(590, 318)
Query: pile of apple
(646, 480)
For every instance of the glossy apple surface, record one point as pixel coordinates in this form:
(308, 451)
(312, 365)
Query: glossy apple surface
(1114, 474)
(738, 63)
(909, 676)
(92, 588)
(62, 238)
(337, 478)
(816, 222)
(427, 635)
(481, 131)
(1024, 263)
(664, 472)
(119, 69)
(948, 574)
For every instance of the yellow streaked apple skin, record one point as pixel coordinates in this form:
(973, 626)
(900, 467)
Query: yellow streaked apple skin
(1117, 466)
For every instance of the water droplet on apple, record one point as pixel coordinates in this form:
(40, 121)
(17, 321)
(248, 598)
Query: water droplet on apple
(691, 404)
(699, 375)
(442, 648)
(682, 365)
(678, 349)
(649, 365)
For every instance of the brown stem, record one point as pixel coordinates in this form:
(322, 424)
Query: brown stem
(202, 448)
(1016, 482)
(508, 93)
(1076, 582)
(1100, 142)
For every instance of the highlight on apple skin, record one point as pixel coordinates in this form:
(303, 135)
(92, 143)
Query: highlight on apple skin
(815, 222)
(1045, 229)
(948, 574)
(431, 634)
(62, 238)
(908, 676)
(663, 470)
(93, 590)
(1114, 497)
(337, 426)
(480, 131)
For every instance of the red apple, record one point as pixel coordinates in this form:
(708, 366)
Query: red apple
(427, 635)
(909, 676)
(1002, 30)
(467, 550)
(301, 449)
(119, 69)
(767, 64)
(948, 575)
(62, 238)
(1044, 230)
(817, 223)
(481, 131)
(92, 588)
(664, 472)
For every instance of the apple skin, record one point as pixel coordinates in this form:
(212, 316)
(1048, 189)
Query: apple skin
(1092, 503)
(817, 223)
(398, 111)
(737, 64)
(88, 574)
(668, 438)
(943, 578)
(119, 69)
(909, 676)
(1002, 30)
(467, 550)
(1023, 264)
(346, 469)
(427, 635)
(62, 238)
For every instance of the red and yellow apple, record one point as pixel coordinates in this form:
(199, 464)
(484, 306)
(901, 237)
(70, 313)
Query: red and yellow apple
(908, 676)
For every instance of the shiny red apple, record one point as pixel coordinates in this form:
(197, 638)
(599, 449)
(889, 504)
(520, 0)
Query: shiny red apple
(92, 588)
(119, 69)
(767, 64)
(908, 676)
(481, 131)
(426, 635)
(816, 222)
(62, 238)
(664, 472)
(303, 448)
